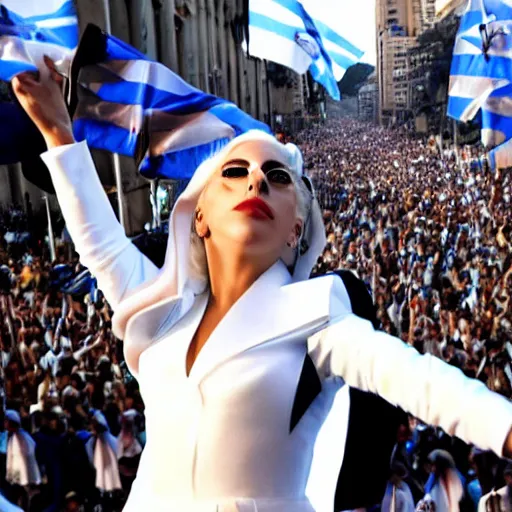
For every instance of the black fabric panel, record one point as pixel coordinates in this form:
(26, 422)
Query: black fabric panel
(308, 389)
(372, 426)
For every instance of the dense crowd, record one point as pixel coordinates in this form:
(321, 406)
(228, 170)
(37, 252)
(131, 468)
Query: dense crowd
(426, 231)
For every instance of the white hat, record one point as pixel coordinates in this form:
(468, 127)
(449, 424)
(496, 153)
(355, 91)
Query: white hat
(175, 273)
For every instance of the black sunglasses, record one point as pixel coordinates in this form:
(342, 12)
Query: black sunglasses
(276, 176)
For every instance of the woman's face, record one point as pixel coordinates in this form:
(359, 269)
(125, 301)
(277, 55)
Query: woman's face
(257, 173)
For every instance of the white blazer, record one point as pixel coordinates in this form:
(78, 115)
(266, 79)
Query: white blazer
(221, 439)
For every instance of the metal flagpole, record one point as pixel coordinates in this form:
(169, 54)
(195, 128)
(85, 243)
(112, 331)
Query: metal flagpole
(455, 143)
(116, 161)
(53, 254)
(156, 223)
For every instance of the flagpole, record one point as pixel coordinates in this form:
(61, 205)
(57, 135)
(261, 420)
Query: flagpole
(119, 186)
(51, 239)
(116, 161)
(455, 143)
(269, 101)
(156, 207)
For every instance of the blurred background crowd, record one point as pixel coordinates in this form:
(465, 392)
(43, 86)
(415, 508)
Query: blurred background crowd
(427, 230)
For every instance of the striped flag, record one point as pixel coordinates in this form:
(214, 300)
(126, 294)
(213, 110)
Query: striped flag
(30, 29)
(302, 36)
(481, 71)
(128, 104)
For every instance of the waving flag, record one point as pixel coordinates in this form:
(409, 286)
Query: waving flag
(284, 31)
(128, 104)
(481, 73)
(30, 29)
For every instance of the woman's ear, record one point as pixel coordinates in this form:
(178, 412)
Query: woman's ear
(295, 234)
(200, 224)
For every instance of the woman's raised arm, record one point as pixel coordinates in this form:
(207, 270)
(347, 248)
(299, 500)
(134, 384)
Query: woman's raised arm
(98, 237)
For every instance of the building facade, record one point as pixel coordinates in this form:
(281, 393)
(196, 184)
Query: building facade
(398, 24)
(368, 100)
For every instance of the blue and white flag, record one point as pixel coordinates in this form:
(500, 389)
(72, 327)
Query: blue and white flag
(128, 104)
(481, 72)
(302, 37)
(30, 29)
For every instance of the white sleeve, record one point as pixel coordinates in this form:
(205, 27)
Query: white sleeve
(98, 237)
(424, 386)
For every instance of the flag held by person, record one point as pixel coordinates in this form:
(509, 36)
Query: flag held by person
(125, 103)
(30, 29)
(33, 28)
(481, 71)
(283, 31)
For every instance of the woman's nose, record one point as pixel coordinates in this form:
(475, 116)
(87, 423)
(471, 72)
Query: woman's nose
(258, 182)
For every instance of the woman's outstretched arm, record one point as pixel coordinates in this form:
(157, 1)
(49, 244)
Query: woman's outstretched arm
(98, 237)
(423, 385)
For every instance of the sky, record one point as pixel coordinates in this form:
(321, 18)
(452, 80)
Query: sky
(366, 12)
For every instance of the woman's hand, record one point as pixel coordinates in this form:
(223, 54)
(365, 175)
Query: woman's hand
(42, 100)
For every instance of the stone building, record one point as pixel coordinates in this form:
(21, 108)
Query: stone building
(368, 100)
(201, 40)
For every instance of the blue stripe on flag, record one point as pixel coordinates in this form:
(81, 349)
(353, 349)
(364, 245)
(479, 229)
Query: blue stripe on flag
(328, 33)
(457, 106)
(271, 25)
(137, 93)
(476, 65)
(104, 135)
(180, 165)
(493, 121)
(116, 49)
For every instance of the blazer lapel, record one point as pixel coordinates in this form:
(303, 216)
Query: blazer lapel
(272, 309)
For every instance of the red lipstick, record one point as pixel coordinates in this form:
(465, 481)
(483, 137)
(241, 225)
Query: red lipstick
(256, 207)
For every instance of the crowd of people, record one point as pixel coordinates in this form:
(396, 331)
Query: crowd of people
(428, 231)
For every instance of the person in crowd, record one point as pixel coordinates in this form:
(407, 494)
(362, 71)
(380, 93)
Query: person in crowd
(499, 499)
(398, 496)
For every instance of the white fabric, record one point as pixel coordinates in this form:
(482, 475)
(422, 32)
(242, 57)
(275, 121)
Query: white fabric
(398, 499)
(102, 451)
(223, 441)
(447, 495)
(505, 503)
(22, 468)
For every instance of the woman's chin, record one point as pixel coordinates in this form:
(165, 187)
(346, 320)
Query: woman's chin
(257, 237)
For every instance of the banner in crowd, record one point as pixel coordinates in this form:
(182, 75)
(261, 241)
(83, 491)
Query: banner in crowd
(481, 71)
(129, 104)
(286, 32)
